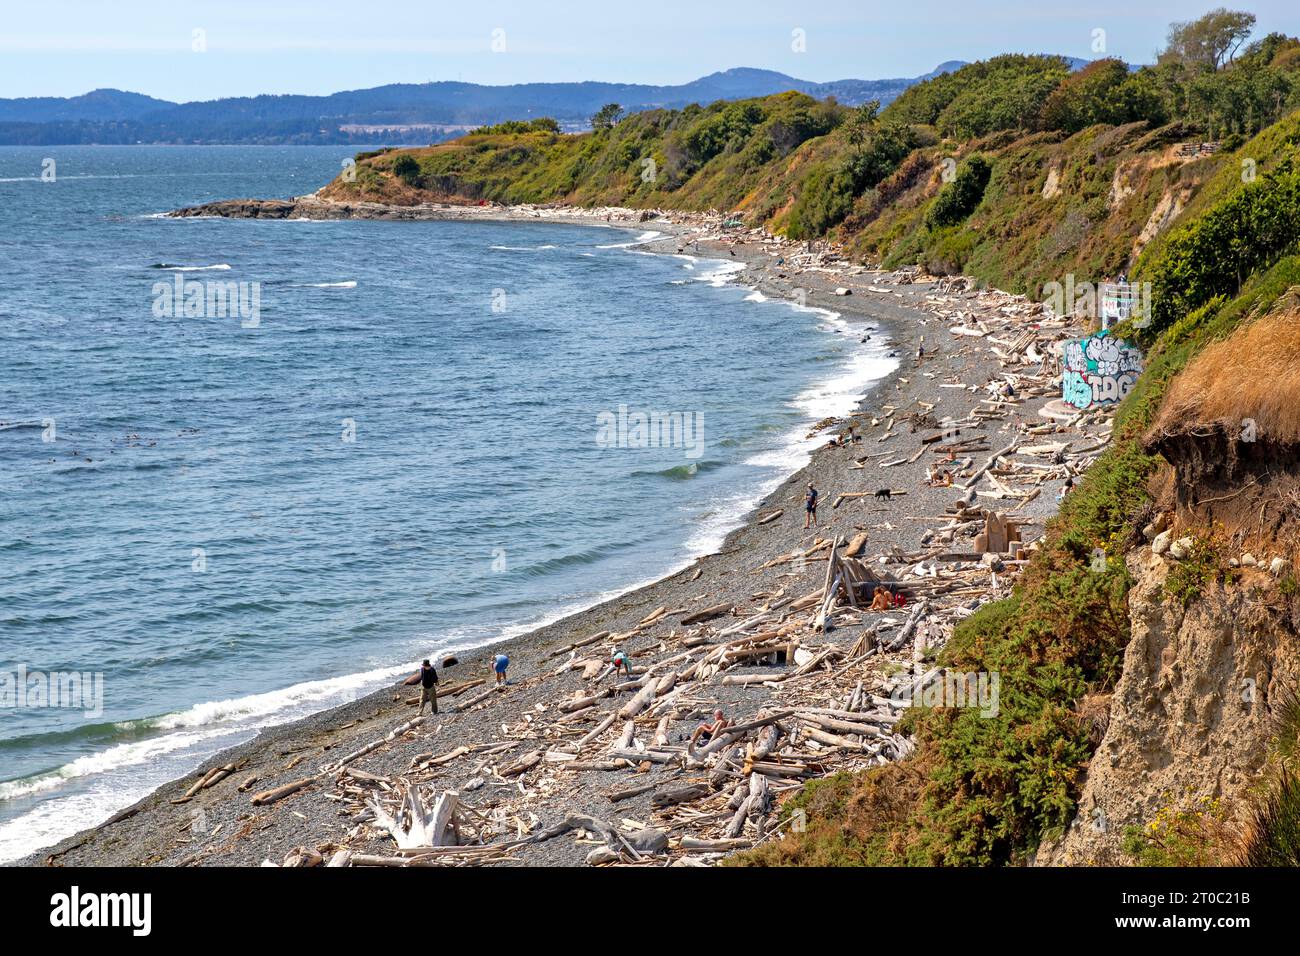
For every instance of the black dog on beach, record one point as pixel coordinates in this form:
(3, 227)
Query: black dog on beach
(883, 493)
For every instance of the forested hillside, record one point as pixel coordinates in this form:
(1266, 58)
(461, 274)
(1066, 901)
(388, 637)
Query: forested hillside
(1015, 169)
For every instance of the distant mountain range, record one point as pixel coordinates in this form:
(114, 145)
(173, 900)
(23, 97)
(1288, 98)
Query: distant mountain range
(398, 114)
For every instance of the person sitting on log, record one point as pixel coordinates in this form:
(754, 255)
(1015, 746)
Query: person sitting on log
(880, 600)
(706, 732)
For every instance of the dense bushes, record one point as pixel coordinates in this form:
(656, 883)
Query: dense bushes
(1102, 92)
(407, 169)
(728, 128)
(543, 124)
(1002, 93)
(825, 198)
(958, 199)
(1215, 253)
(1039, 92)
(879, 155)
(828, 191)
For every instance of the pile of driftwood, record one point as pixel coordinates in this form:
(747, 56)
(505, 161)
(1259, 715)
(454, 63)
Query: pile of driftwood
(828, 708)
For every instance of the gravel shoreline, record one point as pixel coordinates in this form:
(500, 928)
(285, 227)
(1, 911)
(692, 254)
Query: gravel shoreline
(220, 826)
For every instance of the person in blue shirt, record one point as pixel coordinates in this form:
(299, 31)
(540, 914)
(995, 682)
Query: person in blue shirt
(499, 665)
(621, 663)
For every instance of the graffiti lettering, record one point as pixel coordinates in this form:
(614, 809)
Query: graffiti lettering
(1099, 369)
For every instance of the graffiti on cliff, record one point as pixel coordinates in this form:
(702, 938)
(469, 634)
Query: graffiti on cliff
(1099, 369)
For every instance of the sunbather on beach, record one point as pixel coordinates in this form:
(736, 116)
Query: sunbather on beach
(706, 732)
(880, 600)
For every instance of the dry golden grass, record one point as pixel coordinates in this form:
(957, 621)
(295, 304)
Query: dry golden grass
(1253, 374)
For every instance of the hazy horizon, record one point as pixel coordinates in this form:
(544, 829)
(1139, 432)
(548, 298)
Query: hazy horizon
(241, 48)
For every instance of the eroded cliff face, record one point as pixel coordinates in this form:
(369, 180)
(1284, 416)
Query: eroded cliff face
(1193, 714)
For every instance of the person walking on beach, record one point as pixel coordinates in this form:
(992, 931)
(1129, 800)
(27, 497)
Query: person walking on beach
(428, 687)
(499, 665)
(810, 507)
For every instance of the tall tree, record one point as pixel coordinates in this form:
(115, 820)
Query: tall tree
(607, 116)
(862, 124)
(1210, 41)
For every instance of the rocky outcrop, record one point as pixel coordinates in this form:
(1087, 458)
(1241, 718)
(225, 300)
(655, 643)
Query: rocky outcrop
(314, 207)
(242, 209)
(1193, 714)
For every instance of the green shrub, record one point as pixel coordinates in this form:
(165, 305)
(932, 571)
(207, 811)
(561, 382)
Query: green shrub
(407, 169)
(1102, 92)
(958, 199)
(543, 124)
(1215, 253)
(825, 198)
(1005, 92)
(1180, 837)
(1188, 578)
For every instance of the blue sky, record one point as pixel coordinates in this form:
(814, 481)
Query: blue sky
(66, 47)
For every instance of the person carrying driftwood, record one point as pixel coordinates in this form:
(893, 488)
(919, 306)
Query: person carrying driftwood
(810, 507)
(706, 732)
(428, 687)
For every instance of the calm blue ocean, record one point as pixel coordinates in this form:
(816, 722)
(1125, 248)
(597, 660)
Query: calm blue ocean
(235, 520)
